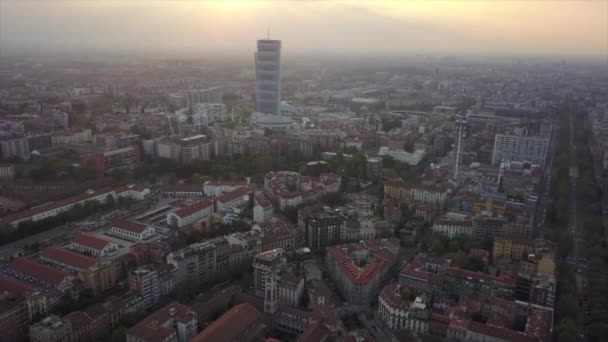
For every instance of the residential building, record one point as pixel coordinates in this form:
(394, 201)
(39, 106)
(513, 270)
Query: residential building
(14, 147)
(290, 189)
(263, 264)
(145, 281)
(520, 148)
(488, 228)
(167, 148)
(361, 269)
(13, 319)
(320, 226)
(36, 301)
(7, 172)
(108, 160)
(200, 262)
(268, 76)
(195, 148)
(511, 249)
(262, 208)
(291, 289)
(451, 228)
(172, 323)
(243, 322)
(206, 95)
(397, 312)
(51, 329)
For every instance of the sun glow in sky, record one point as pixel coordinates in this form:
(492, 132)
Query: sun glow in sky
(312, 26)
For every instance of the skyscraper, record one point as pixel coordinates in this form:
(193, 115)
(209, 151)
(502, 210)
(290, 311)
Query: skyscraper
(268, 76)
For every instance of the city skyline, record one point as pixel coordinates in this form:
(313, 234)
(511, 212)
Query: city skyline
(528, 28)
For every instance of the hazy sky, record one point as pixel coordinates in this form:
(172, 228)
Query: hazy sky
(316, 26)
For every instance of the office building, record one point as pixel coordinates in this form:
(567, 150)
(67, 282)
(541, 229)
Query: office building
(520, 148)
(268, 76)
(374, 168)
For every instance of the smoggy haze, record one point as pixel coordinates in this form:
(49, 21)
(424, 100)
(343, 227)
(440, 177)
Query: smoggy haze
(391, 27)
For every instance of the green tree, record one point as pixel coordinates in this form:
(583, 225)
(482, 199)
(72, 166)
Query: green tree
(568, 306)
(566, 331)
(406, 294)
(461, 260)
(437, 246)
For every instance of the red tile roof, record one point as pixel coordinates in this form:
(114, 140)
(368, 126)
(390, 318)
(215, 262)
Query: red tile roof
(316, 332)
(234, 194)
(231, 325)
(390, 294)
(219, 183)
(78, 320)
(151, 328)
(24, 214)
(90, 241)
(197, 206)
(378, 260)
(183, 188)
(262, 200)
(38, 271)
(65, 256)
(461, 273)
(131, 226)
(15, 287)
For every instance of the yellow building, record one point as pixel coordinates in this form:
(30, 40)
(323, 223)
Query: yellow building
(395, 189)
(546, 265)
(494, 208)
(511, 249)
(100, 278)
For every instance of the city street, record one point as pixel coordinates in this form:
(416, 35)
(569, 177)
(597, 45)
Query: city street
(577, 257)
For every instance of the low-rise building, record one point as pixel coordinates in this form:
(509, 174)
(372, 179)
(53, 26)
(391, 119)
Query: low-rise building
(172, 323)
(216, 188)
(183, 190)
(93, 245)
(40, 274)
(131, 230)
(95, 276)
(191, 213)
(232, 199)
(243, 322)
